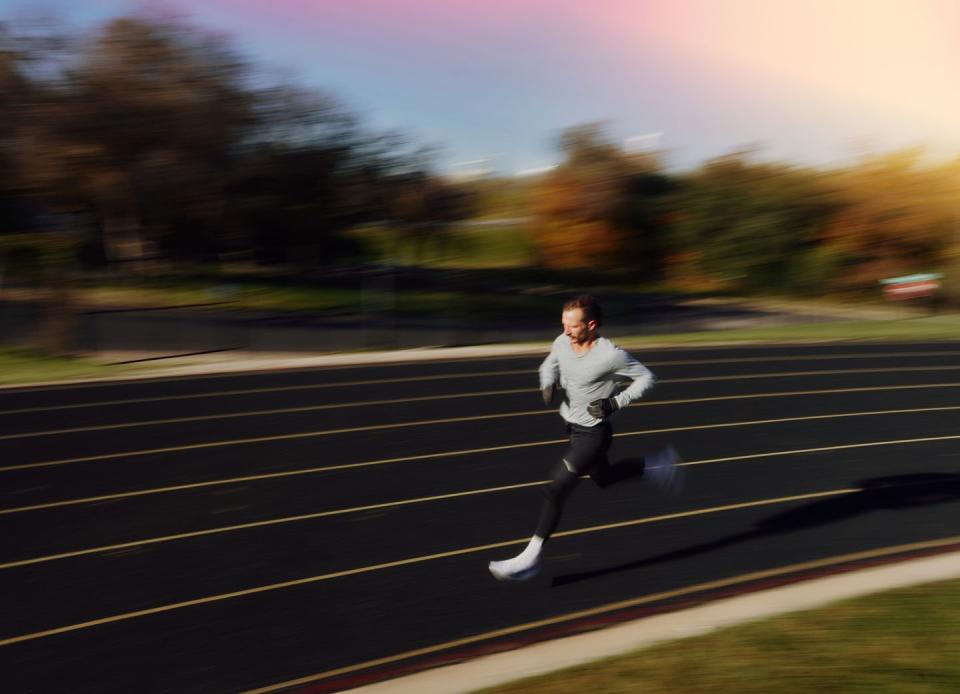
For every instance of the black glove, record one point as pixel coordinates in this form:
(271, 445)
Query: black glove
(603, 408)
(548, 393)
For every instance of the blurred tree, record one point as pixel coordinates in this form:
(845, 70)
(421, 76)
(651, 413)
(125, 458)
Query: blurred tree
(755, 226)
(155, 138)
(602, 207)
(643, 214)
(159, 133)
(575, 202)
(898, 217)
(47, 260)
(311, 173)
(424, 207)
(160, 107)
(35, 247)
(500, 197)
(11, 93)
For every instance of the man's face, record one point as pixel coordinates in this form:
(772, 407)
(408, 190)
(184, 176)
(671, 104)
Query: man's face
(575, 328)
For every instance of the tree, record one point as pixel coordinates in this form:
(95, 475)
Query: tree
(575, 203)
(141, 124)
(755, 226)
(602, 207)
(424, 207)
(897, 217)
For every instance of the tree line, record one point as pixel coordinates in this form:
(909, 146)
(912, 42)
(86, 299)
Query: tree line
(744, 224)
(153, 138)
(149, 137)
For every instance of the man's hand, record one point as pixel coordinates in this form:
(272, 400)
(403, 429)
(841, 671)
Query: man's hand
(548, 394)
(603, 408)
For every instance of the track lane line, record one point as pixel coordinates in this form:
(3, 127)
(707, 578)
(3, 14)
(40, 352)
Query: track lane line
(266, 523)
(616, 606)
(255, 391)
(413, 560)
(407, 502)
(410, 379)
(451, 420)
(363, 403)
(430, 422)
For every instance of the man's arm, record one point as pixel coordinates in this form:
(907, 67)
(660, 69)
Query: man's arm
(625, 366)
(642, 378)
(550, 375)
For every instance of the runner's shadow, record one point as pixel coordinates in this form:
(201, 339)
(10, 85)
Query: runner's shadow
(900, 491)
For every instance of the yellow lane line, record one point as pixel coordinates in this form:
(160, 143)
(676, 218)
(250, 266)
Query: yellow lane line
(261, 413)
(431, 422)
(275, 475)
(281, 389)
(264, 439)
(328, 432)
(252, 373)
(489, 374)
(413, 560)
(801, 357)
(616, 606)
(266, 523)
(388, 504)
(785, 394)
(815, 372)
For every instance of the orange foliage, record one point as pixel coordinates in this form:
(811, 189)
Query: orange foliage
(569, 230)
(896, 218)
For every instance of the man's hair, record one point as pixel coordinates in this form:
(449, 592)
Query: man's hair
(586, 303)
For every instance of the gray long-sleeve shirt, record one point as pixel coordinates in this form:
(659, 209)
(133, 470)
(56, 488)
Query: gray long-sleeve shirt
(592, 375)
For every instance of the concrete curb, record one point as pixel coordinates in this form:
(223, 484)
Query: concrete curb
(249, 362)
(549, 656)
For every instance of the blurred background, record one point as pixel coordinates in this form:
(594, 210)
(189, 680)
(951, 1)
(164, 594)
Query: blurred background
(305, 176)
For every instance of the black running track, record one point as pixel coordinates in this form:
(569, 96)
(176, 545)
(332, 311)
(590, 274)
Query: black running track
(318, 529)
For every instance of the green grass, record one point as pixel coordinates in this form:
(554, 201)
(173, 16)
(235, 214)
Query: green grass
(28, 366)
(375, 297)
(252, 296)
(465, 246)
(889, 643)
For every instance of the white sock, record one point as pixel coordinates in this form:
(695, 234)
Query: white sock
(532, 550)
(523, 561)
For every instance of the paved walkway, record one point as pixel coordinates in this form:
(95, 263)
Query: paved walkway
(239, 361)
(541, 658)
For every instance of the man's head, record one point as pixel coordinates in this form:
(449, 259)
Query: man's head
(581, 319)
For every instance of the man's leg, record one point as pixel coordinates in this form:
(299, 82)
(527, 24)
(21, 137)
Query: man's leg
(565, 479)
(659, 468)
(587, 445)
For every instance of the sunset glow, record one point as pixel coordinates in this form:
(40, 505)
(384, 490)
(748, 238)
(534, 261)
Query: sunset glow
(819, 80)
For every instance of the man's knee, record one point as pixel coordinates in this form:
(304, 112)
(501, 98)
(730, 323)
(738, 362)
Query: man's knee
(563, 482)
(601, 477)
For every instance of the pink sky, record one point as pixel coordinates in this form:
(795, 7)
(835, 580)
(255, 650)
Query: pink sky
(813, 80)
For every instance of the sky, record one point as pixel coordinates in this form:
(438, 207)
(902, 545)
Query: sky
(811, 82)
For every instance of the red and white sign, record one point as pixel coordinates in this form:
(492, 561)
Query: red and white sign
(910, 290)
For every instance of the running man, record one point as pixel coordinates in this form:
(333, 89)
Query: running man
(587, 369)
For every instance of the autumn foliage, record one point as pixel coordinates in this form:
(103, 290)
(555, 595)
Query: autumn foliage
(741, 223)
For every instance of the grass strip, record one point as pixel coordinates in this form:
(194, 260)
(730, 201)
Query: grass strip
(29, 366)
(906, 640)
